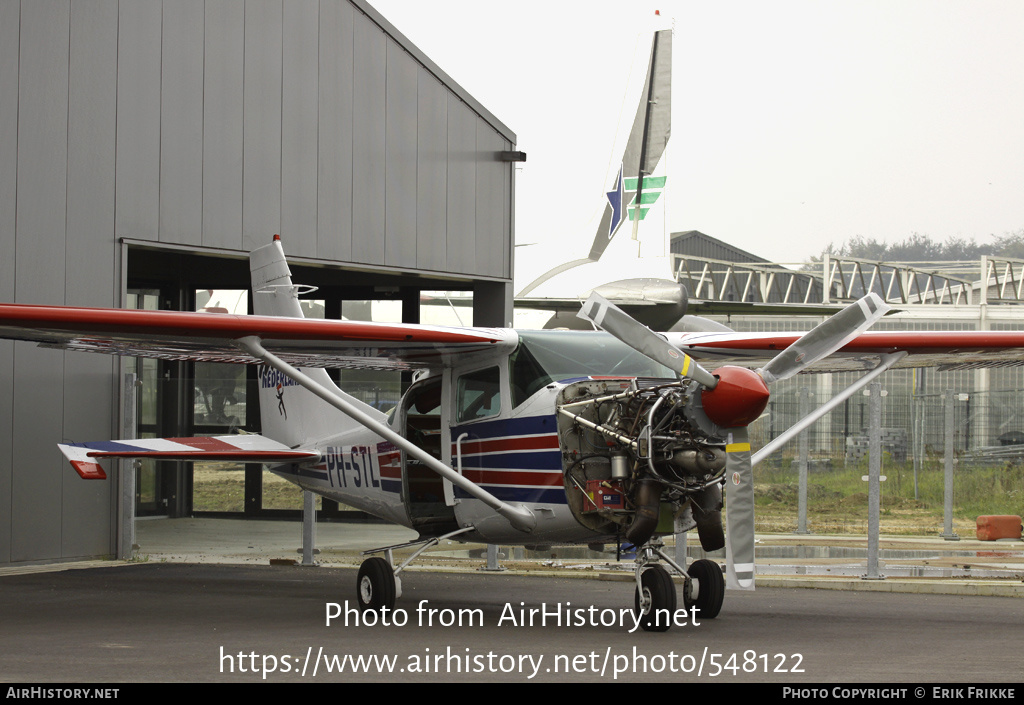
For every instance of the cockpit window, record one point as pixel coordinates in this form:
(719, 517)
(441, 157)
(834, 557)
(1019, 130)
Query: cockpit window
(479, 394)
(548, 356)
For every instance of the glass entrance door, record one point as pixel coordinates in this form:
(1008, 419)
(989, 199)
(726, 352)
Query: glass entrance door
(155, 481)
(219, 407)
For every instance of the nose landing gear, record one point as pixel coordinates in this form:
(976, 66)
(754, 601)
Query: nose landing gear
(655, 600)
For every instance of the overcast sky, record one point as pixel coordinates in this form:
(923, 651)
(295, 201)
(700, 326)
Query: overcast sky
(795, 123)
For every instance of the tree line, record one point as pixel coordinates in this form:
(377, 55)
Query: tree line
(922, 248)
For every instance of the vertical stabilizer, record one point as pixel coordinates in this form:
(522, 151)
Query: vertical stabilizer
(291, 414)
(640, 179)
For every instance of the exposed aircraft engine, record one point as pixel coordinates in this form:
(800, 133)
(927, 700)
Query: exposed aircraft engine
(642, 458)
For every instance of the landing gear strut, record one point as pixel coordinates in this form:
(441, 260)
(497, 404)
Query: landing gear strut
(378, 584)
(655, 600)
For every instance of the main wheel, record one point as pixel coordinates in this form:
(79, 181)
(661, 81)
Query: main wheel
(710, 590)
(375, 586)
(656, 605)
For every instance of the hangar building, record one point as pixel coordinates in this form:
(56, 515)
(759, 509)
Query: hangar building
(147, 146)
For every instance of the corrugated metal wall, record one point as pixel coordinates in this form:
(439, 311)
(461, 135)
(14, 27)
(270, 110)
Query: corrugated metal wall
(209, 123)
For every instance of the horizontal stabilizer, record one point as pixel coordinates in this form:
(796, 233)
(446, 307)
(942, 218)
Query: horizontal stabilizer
(240, 448)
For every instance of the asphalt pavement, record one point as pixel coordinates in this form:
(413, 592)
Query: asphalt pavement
(219, 600)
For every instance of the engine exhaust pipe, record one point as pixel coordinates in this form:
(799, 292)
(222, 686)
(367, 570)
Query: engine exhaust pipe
(648, 506)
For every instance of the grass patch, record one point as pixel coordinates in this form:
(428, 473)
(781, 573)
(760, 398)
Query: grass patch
(837, 497)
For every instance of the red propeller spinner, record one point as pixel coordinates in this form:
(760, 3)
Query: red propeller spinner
(738, 399)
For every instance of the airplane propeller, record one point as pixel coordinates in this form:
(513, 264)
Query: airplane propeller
(734, 397)
(825, 338)
(609, 317)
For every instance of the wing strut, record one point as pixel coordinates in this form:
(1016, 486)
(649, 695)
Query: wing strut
(884, 363)
(519, 516)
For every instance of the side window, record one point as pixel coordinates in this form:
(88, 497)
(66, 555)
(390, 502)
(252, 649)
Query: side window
(478, 395)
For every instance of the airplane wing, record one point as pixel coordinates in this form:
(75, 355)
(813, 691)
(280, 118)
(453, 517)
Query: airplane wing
(248, 448)
(212, 337)
(351, 344)
(946, 350)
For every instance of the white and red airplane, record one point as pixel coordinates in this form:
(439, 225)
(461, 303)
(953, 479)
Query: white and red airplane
(506, 436)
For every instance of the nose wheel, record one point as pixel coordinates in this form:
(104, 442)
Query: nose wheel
(655, 600)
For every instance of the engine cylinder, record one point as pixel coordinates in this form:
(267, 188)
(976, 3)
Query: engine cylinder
(705, 461)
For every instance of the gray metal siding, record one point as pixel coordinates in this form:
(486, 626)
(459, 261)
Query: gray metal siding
(181, 123)
(400, 152)
(492, 234)
(208, 124)
(91, 140)
(431, 172)
(90, 245)
(261, 125)
(223, 78)
(369, 100)
(462, 202)
(138, 120)
(299, 127)
(41, 216)
(10, 25)
(334, 183)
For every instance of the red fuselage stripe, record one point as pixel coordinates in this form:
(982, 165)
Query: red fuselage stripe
(546, 442)
(514, 477)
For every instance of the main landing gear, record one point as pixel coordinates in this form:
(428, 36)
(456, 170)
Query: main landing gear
(655, 600)
(378, 584)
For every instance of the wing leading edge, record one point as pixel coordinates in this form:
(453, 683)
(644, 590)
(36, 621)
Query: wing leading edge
(211, 337)
(329, 343)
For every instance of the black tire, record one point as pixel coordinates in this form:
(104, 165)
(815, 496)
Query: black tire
(711, 588)
(375, 586)
(658, 585)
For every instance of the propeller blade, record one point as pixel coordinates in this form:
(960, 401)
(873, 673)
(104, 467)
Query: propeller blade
(739, 511)
(608, 317)
(825, 338)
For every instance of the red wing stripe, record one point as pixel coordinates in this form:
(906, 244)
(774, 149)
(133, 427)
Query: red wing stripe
(207, 443)
(102, 321)
(916, 342)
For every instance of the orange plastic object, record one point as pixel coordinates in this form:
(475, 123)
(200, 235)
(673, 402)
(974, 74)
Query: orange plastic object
(995, 527)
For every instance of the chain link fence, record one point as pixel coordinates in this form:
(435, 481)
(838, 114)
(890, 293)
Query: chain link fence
(986, 437)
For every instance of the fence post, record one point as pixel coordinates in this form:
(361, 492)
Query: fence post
(308, 528)
(804, 445)
(917, 424)
(874, 477)
(492, 558)
(947, 492)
